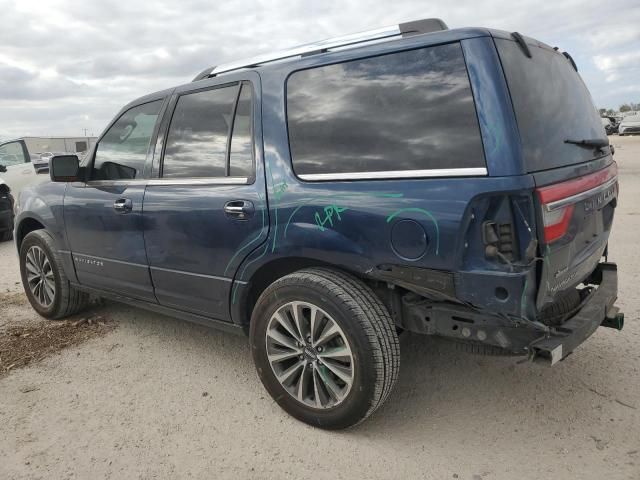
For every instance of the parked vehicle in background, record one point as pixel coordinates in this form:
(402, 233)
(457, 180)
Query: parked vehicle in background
(6, 212)
(324, 198)
(24, 159)
(609, 126)
(43, 145)
(630, 124)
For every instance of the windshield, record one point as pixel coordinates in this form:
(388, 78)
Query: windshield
(552, 104)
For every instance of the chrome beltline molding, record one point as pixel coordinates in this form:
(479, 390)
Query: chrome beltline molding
(436, 172)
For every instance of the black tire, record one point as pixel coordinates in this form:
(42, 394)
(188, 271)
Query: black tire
(367, 326)
(67, 300)
(6, 236)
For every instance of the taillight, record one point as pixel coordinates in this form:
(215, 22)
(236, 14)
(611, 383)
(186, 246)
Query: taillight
(559, 200)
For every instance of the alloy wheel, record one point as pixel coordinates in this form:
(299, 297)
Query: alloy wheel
(40, 277)
(310, 355)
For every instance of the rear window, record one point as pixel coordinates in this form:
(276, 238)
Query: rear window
(552, 104)
(399, 112)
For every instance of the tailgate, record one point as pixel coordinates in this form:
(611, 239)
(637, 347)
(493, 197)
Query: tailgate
(575, 220)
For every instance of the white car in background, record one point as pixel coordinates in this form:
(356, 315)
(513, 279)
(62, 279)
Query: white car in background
(27, 159)
(630, 125)
(20, 171)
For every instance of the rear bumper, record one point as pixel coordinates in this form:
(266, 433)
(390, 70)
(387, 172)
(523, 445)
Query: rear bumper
(597, 310)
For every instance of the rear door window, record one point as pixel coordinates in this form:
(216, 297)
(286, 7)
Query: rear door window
(241, 156)
(210, 134)
(198, 135)
(404, 112)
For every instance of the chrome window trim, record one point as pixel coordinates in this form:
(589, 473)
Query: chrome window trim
(429, 173)
(199, 181)
(111, 183)
(581, 196)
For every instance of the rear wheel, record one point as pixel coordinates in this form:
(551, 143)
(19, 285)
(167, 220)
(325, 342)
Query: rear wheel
(325, 347)
(6, 236)
(45, 283)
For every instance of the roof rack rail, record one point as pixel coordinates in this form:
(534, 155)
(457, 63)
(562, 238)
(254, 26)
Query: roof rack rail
(416, 27)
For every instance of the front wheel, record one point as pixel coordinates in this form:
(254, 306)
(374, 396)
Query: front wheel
(325, 347)
(45, 283)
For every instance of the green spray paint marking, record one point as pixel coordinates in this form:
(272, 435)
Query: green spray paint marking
(424, 212)
(345, 196)
(329, 212)
(277, 197)
(252, 241)
(237, 285)
(279, 189)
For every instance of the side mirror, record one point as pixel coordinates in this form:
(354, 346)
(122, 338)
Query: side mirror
(64, 168)
(3, 169)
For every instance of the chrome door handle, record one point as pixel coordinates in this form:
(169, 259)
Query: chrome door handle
(123, 205)
(240, 209)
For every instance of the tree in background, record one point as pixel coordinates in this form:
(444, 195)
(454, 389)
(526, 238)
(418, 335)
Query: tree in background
(625, 108)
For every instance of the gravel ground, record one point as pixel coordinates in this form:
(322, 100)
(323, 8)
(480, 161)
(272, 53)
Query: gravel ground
(160, 398)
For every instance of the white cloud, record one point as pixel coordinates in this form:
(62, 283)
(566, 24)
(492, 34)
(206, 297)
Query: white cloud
(616, 66)
(70, 64)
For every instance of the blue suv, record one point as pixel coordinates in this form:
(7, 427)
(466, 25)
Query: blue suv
(323, 199)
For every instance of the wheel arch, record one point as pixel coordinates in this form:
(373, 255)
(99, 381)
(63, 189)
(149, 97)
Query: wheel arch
(268, 273)
(25, 227)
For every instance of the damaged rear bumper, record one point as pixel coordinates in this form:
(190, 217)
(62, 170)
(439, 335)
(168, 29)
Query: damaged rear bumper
(546, 344)
(598, 310)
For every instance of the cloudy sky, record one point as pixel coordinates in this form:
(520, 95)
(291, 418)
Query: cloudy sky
(67, 65)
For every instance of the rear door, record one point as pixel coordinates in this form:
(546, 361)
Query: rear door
(103, 216)
(206, 210)
(565, 147)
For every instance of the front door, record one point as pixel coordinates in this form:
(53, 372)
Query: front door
(103, 216)
(19, 169)
(207, 209)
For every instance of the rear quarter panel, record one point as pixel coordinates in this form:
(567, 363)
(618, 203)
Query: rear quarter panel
(350, 224)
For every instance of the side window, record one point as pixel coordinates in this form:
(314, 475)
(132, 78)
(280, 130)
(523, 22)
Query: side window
(404, 111)
(241, 156)
(12, 154)
(198, 134)
(121, 153)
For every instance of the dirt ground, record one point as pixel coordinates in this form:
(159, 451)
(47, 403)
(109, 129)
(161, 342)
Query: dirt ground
(160, 398)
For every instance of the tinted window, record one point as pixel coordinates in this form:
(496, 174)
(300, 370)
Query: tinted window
(81, 146)
(241, 159)
(552, 104)
(122, 151)
(404, 111)
(197, 139)
(11, 154)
